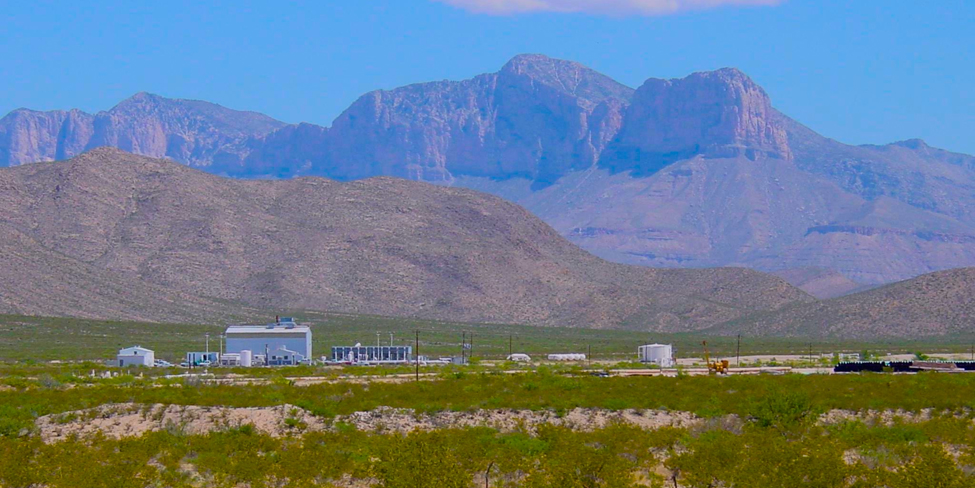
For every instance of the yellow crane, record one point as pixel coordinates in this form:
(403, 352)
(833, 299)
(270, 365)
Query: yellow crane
(714, 367)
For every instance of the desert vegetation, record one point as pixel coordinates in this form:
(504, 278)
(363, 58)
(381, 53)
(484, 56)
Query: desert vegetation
(758, 431)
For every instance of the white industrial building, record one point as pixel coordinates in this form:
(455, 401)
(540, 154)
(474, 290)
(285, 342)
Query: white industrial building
(660, 354)
(263, 340)
(136, 356)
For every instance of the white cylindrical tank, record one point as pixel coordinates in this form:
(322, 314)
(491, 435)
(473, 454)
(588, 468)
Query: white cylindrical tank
(246, 358)
(660, 354)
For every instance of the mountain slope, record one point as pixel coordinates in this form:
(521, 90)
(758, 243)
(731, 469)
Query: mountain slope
(40, 281)
(380, 246)
(935, 304)
(820, 282)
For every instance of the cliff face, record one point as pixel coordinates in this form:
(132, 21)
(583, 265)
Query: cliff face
(28, 136)
(192, 132)
(718, 114)
(537, 118)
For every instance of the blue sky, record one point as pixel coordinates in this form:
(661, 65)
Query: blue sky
(864, 71)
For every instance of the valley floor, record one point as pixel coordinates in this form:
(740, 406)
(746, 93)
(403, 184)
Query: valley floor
(553, 427)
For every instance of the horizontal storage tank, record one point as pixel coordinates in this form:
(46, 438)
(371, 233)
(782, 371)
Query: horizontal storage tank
(567, 357)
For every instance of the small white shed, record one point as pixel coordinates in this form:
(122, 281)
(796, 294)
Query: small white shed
(136, 356)
(520, 358)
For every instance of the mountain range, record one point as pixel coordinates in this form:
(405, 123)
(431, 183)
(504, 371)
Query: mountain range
(688, 173)
(108, 234)
(114, 235)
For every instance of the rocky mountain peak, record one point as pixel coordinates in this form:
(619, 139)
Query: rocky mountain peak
(915, 144)
(142, 101)
(569, 77)
(715, 114)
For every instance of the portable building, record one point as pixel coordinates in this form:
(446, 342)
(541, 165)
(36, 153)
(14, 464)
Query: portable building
(660, 354)
(520, 358)
(136, 356)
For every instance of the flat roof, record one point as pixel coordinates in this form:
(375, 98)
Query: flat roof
(263, 329)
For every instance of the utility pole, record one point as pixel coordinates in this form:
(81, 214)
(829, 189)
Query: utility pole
(589, 355)
(208, 345)
(471, 347)
(416, 356)
(738, 353)
(509, 346)
(463, 347)
(390, 339)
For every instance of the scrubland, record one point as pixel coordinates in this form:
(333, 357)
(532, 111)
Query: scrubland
(740, 431)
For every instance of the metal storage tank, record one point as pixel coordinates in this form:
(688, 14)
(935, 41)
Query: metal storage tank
(659, 354)
(246, 358)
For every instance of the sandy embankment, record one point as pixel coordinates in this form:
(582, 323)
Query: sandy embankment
(130, 420)
(125, 420)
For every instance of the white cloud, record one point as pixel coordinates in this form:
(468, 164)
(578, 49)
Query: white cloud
(611, 7)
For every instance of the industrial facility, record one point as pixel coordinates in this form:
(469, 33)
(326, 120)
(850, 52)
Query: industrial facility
(372, 354)
(281, 339)
(659, 354)
(136, 356)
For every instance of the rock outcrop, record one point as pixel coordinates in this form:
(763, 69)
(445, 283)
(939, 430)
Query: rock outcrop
(189, 131)
(28, 136)
(717, 114)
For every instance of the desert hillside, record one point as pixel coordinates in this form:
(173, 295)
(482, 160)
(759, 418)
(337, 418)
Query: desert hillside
(379, 246)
